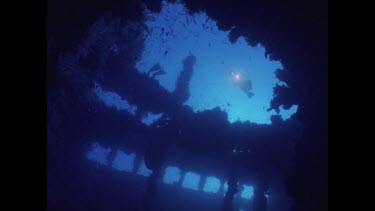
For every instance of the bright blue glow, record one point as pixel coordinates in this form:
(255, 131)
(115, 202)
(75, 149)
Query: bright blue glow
(172, 175)
(98, 154)
(212, 185)
(112, 99)
(143, 170)
(191, 181)
(247, 192)
(123, 161)
(170, 37)
(151, 118)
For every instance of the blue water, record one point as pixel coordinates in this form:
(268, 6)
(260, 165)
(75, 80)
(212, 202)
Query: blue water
(173, 34)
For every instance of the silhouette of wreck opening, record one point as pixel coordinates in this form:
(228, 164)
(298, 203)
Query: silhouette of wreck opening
(173, 34)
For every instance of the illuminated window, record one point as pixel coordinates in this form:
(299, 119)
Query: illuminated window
(212, 185)
(123, 161)
(172, 175)
(247, 192)
(191, 181)
(98, 154)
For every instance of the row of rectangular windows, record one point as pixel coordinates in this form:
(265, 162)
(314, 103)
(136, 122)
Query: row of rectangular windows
(172, 174)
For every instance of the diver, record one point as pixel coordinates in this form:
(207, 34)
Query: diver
(244, 84)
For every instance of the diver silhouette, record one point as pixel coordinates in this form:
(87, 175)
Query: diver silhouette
(244, 84)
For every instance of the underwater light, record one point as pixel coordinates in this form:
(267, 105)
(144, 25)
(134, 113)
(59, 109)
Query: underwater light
(236, 76)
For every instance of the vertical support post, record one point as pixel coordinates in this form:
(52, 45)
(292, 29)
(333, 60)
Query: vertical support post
(232, 183)
(232, 190)
(181, 180)
(153, 160)
(149, 195)
(259, 200)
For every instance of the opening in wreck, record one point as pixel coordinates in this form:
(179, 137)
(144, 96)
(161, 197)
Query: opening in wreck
(235, 77)
(170, 113)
